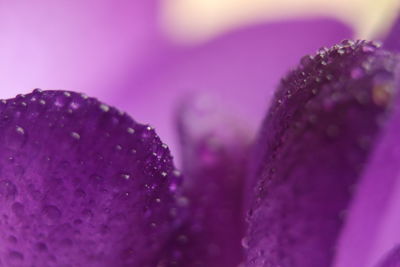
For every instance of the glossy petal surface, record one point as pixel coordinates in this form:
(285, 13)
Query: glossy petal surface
(82, 184)
(314, 144)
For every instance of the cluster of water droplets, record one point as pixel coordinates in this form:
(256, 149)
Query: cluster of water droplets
(320, 127)
(76, 173)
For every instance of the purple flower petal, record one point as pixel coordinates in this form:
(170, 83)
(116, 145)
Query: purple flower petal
(82, 184)
(392, 41)
(372, 225)
(314, 144)
(392, 259)
(215, 149)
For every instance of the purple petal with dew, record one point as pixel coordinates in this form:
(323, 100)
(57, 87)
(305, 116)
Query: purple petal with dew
(215, 150)
(314, 144)
(81, 184)
(392, 259)
(392, 41)
(372, 225)
(242, 67)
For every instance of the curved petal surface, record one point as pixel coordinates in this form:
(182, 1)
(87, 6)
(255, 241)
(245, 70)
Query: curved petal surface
(314, 144)
(371, 228)
(82, 184)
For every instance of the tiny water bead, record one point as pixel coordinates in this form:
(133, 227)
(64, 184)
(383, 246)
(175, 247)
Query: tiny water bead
(75, 135)
(20, 130)
(104, 107)
(126, 176)
(72, 169)
(130, 130)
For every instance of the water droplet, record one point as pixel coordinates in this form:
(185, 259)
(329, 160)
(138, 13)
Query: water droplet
(163, 174)
(341, 51)
(130, 130)
(125, 176)
(104, 107)
(67, 94)
(118, 147)
(245, 242)
(74, 106)
(75, 135)
(20, 130)
(347, 42)
(368, 48)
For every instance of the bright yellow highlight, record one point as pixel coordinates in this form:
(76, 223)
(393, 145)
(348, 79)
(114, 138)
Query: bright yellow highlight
(199, 20)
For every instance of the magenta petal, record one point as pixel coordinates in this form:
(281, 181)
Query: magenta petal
(392, 259)
(214, 155)
(372, 225)
(82, 184)
(392, 41)
(314, 144)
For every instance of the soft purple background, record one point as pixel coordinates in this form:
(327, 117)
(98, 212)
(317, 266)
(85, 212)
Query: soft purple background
(114, 50)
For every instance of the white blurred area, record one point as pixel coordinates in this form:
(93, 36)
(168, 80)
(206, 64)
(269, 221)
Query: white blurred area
(192, 21)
